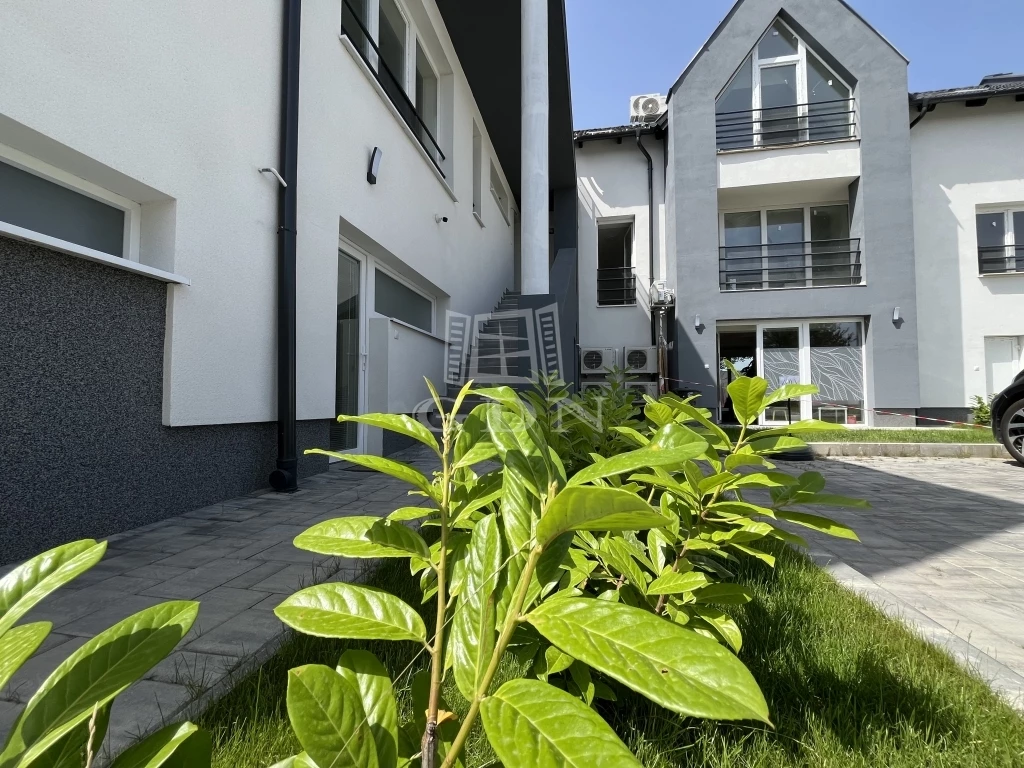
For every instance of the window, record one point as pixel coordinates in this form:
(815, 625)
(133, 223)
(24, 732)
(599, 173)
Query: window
(101, 221)
(426, 100)
(397, 300)
(770, 248)
(1000, 241)
(498, 193)
(354, 19)
(783, 94)
(478, 164)
(616, 284)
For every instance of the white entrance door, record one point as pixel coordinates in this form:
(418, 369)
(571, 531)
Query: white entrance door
(350, 371)
(1002, 362)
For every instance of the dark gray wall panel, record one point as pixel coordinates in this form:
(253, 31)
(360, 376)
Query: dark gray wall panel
(83, 452)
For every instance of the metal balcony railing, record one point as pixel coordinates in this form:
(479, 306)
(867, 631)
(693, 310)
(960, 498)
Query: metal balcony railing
(1000, 259)
(792, 124)
(810, 264)
(363, 42)
(616, 287)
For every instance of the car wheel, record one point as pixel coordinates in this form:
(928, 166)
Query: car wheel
(1012, 430)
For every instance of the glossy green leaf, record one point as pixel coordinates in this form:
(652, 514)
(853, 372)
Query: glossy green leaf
(503, 395)
(724, 594)
(353, 612)
(30, 582)
(69, 750)
(788, 392)
(176, 746)
(764, 557)
(94, 674)
(472, 636)
(510, 434)
(420, 690)
(364, 672)
(327, 717)
(592, 508)
(403, 514)
(362, 536)
(551, 662)
(701, 417)
(580, 674)
(633, 436)
(18, 645)
(736, 460)
(482, 451)
(722, 623)
(673, 583)
(531, 724)
(747, 398)
(666, 663)
(619, 557)
(651, 456)
(775, 444)
(765, 480)
(300, 760)
(818, 523)
(396, 422)
(396, 469)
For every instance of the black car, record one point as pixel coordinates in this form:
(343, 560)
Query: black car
(1008, 417)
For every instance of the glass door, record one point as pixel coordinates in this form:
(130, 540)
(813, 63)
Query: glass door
(779, 361)
(348, 381)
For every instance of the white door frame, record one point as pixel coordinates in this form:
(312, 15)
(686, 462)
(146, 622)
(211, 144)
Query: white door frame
(353, 251)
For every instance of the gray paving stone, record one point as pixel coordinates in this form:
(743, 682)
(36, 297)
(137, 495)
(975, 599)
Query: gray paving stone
(142, 709)
(195, 671)
(264, 570)
(287, 553)
(292, 578)
(242, 635)
(204, 553)
(201, 579)
(9, 712)
(220, 604)
(91, 624)
(34, 671)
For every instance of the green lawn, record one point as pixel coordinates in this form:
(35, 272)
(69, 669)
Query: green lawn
(845, 685)
(938, 435)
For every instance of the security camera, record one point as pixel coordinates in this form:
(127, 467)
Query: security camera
(439, 219)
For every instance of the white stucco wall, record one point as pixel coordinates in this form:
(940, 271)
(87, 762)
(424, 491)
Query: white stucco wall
(963, 158)
(175, 105)
(613, 183)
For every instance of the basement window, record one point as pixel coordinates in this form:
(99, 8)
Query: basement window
(399, 301)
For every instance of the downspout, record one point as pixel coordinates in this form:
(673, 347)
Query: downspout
(925, 108)
(285, 476)
(650, 221)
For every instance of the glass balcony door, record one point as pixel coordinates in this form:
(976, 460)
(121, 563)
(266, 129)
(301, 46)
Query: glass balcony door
(348, 382)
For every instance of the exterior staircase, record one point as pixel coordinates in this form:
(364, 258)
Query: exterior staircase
(491, 356)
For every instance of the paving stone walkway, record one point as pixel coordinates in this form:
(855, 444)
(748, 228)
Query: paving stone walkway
(943, 549)
(237, 560)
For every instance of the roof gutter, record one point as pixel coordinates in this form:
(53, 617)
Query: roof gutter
(924, 107)
(285, 476)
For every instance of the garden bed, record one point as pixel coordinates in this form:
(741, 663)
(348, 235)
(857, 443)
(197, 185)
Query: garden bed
(845, 685)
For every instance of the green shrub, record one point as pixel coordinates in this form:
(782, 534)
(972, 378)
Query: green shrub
(547, 564)
(981, 410)
(65, 721)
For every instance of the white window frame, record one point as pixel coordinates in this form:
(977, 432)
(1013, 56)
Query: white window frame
(478, 173)
(376, 264)
(804, 326)
(503, 207)
(132, 236)
(1010, 237)
(800, 59)
(808, 252)
(419, 46)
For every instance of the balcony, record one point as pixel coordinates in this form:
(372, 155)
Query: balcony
(616, 287)
(833, 120)
(1000, 259)
(810, 264)
(355, 30)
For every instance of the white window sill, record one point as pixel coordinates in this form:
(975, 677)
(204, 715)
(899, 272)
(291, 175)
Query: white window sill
(789, 288)
(1017, 273)
(71, 249)
(347, 45)
(416, 328)
(479, 219)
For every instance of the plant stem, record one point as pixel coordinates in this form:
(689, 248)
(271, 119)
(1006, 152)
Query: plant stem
(511, 620)
(428, 746)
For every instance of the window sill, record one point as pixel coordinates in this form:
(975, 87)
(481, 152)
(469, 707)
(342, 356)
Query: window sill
(1016, 273)
(71, 249)
(617, 306)
(789, 288)
(478, 218)
(417, 329)
(347, 45)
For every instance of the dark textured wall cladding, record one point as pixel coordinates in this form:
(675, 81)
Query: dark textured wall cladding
(82, 449)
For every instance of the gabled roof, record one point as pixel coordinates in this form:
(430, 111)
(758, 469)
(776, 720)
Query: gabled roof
(990, 86)
(732, 12)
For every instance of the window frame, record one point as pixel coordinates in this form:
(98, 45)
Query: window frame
(503, 207)
(1010, 237)
(132, 236)
(478, 173)
(629, 241)
(802, 91)
(376, 264)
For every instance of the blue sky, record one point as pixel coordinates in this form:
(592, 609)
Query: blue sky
(620, 48)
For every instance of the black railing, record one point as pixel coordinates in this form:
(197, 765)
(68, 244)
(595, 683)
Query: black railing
(616, 287)
(363, 42)
(811, 264)
(1000, 259)
(792, 124)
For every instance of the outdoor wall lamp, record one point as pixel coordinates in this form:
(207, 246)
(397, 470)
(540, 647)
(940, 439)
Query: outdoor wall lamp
(371, 172)
(698, 326)
(896, 319)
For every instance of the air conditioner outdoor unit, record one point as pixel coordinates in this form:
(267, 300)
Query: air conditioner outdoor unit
(640, 359)
(596, 360)
(661, 294)
(647, 108)
(594, 385)
(644, 388)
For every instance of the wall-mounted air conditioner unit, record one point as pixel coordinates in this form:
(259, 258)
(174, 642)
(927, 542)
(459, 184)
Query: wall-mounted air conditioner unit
(647, 108)
(596, 360)
(644, 388)
(601, 386)
(640, 359)
(661, 294)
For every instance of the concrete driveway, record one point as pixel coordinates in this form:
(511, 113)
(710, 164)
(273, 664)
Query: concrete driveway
(943, 548)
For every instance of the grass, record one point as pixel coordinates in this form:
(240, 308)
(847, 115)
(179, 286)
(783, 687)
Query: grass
(846, 687)
(937, 435)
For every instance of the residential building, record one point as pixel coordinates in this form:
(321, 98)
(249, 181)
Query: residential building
(809, 235)
(163, 349)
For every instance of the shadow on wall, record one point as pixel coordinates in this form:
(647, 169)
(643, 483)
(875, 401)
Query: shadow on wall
(82, 447)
